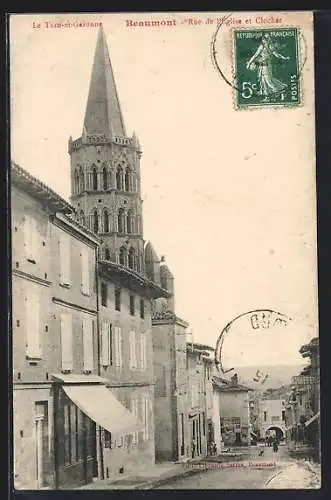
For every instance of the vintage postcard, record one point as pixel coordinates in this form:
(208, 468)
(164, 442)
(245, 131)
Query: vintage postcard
(164, 256)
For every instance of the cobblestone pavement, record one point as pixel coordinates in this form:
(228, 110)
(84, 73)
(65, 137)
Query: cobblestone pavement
(270, 471)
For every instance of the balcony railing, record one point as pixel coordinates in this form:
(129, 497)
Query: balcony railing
(304, 380)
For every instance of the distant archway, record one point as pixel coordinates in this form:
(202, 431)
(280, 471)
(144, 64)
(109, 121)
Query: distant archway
(278, 431)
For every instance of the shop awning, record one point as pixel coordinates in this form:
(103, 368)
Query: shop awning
(312, 419)
(101, 406)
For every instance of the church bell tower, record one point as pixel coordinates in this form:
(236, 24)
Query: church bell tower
(105, 170)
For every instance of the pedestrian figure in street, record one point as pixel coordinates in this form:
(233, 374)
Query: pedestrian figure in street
(275, 446)
(214, 448)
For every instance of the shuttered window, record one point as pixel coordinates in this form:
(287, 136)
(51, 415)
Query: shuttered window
(134, 410)
(133, 353)
(31, 238)
(65, 258)
(118, 346)
(85, 271)
(88, 344)
(106, 344)
(143, 351)
(146, 416)
(66, 341)
(33, 326)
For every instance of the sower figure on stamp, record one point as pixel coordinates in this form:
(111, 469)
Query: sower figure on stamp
(263, 60)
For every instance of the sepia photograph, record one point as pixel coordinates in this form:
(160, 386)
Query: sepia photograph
(164, 308)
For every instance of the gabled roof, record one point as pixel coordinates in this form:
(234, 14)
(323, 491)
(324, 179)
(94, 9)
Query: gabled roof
(39, 190)
(128, 278)
(201, 347)
(59, 207)
(225, 385)
(168, 316)
(103, 114)
(190, 349)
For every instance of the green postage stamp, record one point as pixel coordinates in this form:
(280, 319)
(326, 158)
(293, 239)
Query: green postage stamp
(266, 66)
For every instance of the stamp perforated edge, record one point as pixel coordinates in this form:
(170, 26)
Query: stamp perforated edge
(301, 63)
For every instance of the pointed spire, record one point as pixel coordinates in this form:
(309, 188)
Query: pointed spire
(103, 112)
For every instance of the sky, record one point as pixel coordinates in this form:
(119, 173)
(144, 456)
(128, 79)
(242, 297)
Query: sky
(229, 195)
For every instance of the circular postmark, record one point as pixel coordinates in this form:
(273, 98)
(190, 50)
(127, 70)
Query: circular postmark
(263, 65)
(252, 343)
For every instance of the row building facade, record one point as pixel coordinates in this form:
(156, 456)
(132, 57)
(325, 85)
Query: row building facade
(54, 336)
(303, 435)
(82, 343)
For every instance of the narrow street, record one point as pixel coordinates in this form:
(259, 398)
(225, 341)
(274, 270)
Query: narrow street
(250, 472)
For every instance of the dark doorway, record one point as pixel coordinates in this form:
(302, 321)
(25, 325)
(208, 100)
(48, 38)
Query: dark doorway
(278, 431)
(93, 438)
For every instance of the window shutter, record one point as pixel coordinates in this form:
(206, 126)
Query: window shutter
(143, 415)
(119, 341)
(134, 409)
(85, 272)
(143, 351)
(146, 419)
(30, 237)
(34, 238)
(130, 350)
(65, 256)
(118, 346)
(27, 236)
(110, 344)
(88, 344)
(133, 357)
(105, 345)
(66, 341)
(33, 338)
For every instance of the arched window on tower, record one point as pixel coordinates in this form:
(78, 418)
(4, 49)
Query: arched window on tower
(95, 221)
(76, 189)
(138, 263)
(107, 253)
(105, 221)
(94, 179)
(105, 179)
(123, 256)
(132, 258)
(130, 222)
(128, 179)
(119, 178)
(81, 180)
(121, 220)
(82, 217)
